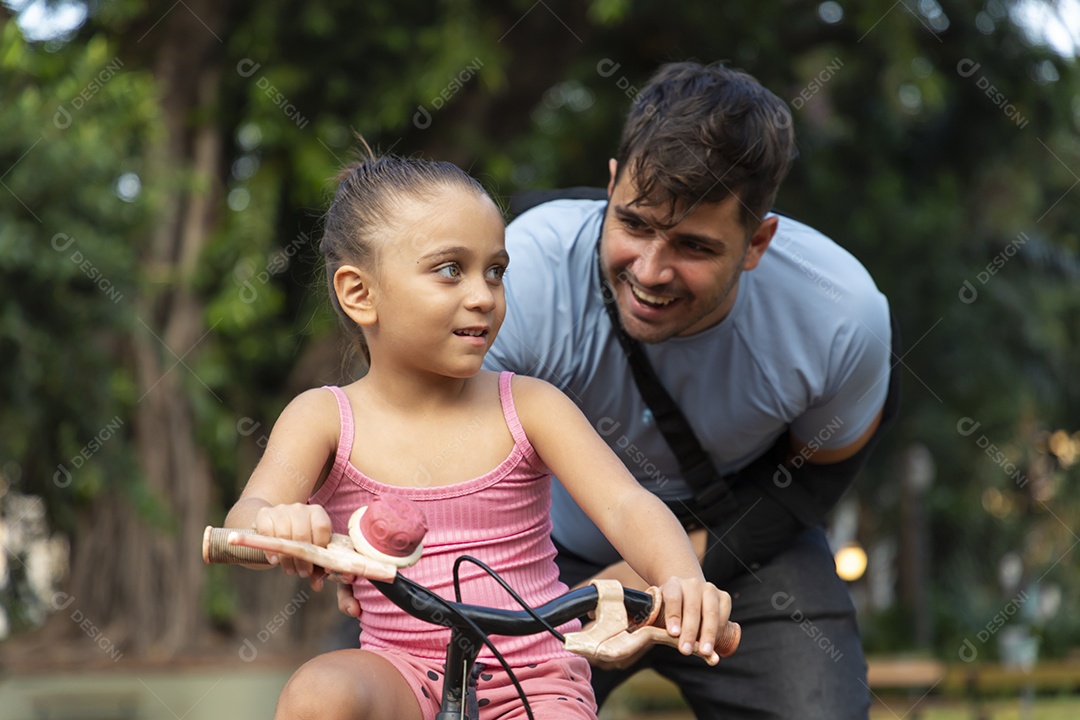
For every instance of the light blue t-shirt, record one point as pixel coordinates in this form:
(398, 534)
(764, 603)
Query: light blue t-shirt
(806, 345)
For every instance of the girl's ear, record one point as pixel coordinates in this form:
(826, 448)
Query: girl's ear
(355, 291)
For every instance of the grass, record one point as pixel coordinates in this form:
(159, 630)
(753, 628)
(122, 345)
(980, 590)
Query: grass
(1065, 708)
(650, 697)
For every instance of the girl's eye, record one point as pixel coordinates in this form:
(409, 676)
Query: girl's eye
(452, 270)
(497, 272)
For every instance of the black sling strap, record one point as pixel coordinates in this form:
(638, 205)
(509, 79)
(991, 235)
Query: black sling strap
(713, 499)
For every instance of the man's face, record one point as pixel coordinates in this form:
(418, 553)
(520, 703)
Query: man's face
(675, 280)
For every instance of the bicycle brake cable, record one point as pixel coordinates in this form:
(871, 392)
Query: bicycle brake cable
(505, 586)
(484, 638)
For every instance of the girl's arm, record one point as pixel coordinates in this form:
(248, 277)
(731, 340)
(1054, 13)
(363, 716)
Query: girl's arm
(297, 457)
(634, 520)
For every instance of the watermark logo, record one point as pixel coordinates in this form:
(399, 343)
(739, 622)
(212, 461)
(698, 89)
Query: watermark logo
(811, 271)
(781, 601)
(248, 650)
(62, 601)
(635, 456)
(968, 650)
(817, 82)
(967, 68)
(968, 292)
(967, 427)
(62, 242)
(62, 477)
(248, 67)
(247, 427)
(62, 119)
(782, 477)
(277, 264)
(422, 117)
(607, 68)
(456, 444)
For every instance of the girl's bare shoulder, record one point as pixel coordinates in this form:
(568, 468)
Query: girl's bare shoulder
(313, 412)
(537, 399)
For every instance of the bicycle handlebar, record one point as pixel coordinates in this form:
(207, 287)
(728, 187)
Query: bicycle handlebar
(623, 625)
(413, 597)
(626, 630)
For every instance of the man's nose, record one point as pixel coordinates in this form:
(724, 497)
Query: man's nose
(653, 267)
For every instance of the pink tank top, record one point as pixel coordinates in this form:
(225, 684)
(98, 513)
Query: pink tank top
(502, 518)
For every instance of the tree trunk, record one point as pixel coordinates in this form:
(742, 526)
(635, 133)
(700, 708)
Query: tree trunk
(137, 569)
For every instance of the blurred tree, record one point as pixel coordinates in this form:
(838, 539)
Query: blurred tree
(196, 161)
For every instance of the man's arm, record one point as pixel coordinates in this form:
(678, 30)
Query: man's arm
(788, 489)
(781, 493)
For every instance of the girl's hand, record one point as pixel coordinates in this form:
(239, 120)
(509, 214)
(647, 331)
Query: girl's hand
(696, 612)
(296, 521)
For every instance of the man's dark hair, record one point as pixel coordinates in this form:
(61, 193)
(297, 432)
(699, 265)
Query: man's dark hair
(700, 133)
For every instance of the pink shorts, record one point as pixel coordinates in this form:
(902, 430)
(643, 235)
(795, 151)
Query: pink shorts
(556, 689)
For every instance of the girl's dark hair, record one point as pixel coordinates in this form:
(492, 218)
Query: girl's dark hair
(700, 133)
(367, 203)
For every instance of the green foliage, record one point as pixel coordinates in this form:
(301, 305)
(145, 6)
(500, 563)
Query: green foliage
(74, 122)
(905, 160)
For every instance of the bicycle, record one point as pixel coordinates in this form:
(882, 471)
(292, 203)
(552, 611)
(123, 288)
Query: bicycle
(623, 617)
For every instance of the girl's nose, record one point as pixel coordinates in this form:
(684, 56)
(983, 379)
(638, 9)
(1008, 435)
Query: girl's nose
(479, 295)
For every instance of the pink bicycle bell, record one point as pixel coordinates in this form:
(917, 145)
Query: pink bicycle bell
(390, 529)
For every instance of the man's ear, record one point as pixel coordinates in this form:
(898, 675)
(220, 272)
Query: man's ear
(613, 168)
(759, 242)
(355, 292)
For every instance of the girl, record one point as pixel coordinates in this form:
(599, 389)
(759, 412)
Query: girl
(415, 259)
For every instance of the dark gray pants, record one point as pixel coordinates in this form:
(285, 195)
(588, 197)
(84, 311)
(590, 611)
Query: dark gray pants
(801, 654)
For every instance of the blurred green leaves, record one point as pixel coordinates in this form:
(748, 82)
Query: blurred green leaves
(907, 158)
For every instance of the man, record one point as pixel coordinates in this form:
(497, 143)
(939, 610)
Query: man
(772, 341)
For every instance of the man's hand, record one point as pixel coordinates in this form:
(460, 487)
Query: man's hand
(717, 636)
(674, 609)
(346, 602)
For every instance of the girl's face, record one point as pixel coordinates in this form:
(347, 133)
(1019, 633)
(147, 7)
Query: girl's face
(438, 288)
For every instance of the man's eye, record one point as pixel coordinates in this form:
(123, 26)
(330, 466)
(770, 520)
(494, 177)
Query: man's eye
(452, 270)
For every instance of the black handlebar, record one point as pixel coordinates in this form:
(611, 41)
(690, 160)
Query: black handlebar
(418, 601)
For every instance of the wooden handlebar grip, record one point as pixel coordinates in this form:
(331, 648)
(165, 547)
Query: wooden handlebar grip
(217, 550)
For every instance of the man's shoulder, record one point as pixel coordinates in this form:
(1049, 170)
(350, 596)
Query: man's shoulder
(552, 297)
(563, 222)
(808, 300)
(807, 244)
(814, 273)
(525, 200)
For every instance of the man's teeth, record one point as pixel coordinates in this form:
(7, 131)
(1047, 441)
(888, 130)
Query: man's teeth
(642, 295)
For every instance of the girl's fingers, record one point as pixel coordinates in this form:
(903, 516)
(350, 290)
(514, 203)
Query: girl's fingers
(673, 606)
(691, 615)
(710, 620)
(283, 529)
(264, 525)
(300, 523)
